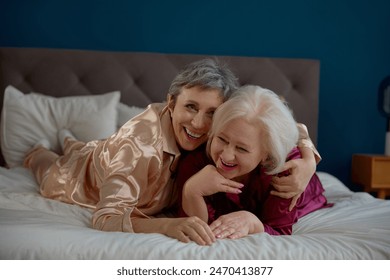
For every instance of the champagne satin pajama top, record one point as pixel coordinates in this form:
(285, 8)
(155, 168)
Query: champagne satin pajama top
(125, 176)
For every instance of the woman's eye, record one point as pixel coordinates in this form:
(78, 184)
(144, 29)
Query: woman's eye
(222, 139)
(211, 114)
(241, 149)
(191, 107)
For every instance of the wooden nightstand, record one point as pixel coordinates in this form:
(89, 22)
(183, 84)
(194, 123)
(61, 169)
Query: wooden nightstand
(372, 172)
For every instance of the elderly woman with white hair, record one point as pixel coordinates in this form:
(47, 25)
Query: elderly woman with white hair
(252, 136)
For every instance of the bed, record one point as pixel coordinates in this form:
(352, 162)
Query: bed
(94, 92)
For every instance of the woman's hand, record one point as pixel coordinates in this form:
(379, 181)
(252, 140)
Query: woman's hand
(183, 229)
(206, 182)
(300, 172)
(190, 229)
(209, 181)
(236, 225)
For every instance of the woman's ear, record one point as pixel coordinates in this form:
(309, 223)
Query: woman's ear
(267, 162)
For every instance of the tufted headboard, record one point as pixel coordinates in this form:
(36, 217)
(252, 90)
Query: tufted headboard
(143, 78)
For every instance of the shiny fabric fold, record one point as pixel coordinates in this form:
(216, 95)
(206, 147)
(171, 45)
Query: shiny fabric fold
(125, 176)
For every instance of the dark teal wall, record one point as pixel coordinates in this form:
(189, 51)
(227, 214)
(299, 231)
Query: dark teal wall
(351, 38)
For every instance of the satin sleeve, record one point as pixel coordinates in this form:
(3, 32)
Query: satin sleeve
(278, 220)
(274, 213)
(305, 141)
(129, 176)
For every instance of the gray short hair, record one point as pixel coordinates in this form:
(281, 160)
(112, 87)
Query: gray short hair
(261, 107)
(207, 73)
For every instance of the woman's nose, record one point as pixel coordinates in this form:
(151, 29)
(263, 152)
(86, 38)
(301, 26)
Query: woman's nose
(199, 121)
(228, 153)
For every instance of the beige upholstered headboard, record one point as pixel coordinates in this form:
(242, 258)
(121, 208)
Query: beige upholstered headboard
(143, 78)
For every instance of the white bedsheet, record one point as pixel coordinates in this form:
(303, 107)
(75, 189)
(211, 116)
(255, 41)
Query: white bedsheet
(32, 227)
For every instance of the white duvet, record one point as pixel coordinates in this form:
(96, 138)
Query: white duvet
(32, 227)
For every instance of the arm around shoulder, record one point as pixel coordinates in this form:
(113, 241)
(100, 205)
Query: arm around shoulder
(305, 141)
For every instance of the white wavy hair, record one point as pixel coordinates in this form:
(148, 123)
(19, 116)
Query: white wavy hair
(261, 106)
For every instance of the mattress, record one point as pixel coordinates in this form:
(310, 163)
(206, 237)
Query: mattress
(35, 228)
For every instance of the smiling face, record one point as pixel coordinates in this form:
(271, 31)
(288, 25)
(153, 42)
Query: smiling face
(236, 149)
(192, 114)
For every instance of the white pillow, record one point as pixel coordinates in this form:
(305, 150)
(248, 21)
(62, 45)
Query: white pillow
(126, 112)
(28, 118)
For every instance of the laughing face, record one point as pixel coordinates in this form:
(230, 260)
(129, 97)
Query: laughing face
(236, 150)
(192, 114)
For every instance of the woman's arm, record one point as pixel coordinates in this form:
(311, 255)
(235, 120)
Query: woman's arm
(304, 141)
(193, 203)
(118, 211)
(204, 183)
(300, 169)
